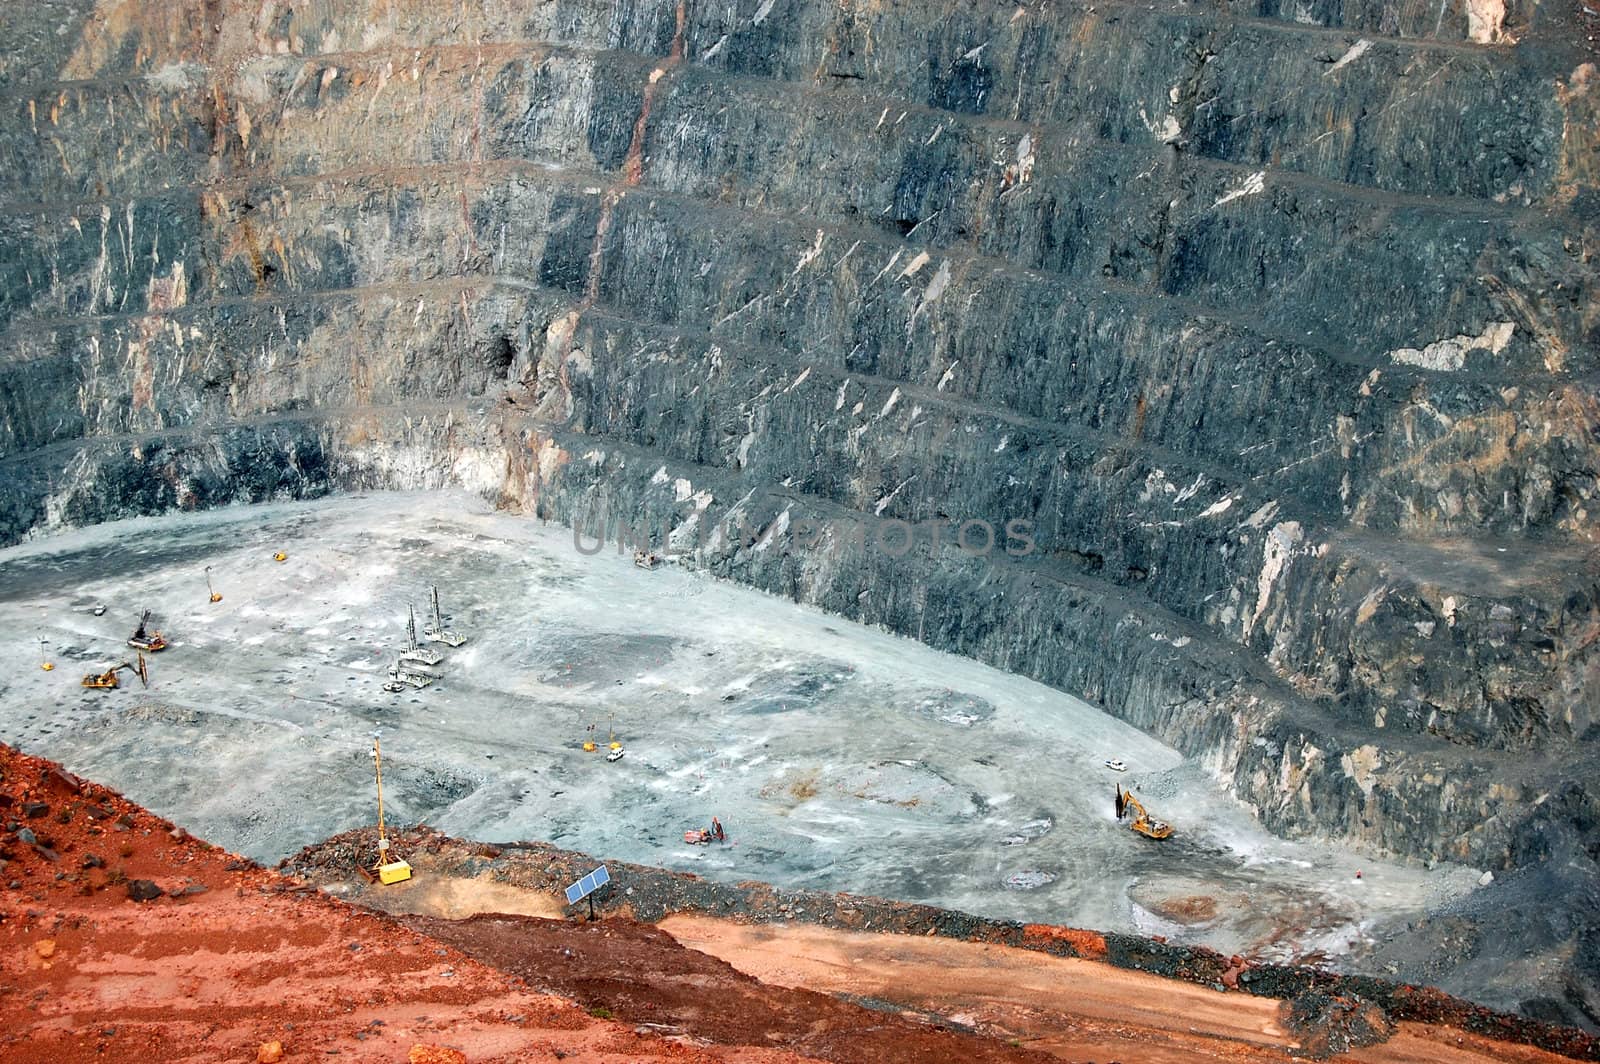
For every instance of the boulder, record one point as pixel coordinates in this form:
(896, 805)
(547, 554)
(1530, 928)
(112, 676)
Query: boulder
(143, 890)
(1327, 1025)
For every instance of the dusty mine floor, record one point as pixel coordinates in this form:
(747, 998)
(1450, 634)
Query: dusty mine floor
(838, 757)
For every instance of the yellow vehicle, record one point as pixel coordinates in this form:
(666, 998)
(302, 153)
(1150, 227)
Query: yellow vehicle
(145, 639)
(1143, 822)
(107, 680)
(211, 590)
(103, 680)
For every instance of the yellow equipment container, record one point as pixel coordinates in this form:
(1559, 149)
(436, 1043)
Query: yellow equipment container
(394, 872)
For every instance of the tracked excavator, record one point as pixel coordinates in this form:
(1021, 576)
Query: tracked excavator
(1141, 822)
(107, 681)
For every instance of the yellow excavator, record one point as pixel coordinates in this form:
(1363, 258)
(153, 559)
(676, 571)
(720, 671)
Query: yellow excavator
(1142, 822)
(108, 680)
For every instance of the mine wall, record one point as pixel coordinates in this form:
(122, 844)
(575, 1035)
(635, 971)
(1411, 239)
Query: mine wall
(1276, 325)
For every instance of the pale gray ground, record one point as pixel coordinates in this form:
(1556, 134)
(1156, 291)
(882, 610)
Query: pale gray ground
(837, 756)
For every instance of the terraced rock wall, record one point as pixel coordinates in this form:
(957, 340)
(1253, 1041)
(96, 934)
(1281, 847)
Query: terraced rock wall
(1275, 325)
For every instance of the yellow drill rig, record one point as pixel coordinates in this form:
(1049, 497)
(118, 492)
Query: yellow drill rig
(146, 640)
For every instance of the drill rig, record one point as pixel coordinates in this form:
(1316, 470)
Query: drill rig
(413, 652)
(146, 639)
(435, 631)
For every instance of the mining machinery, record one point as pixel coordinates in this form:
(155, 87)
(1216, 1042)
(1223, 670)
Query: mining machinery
(413, 651)
(388, 869)
(401, 677)
(1141, 822)
(435, 630)
(107, 681)
(145, 638)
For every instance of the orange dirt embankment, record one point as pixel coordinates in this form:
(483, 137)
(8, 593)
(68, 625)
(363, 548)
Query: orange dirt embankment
(1074, 1009)
(228, 957)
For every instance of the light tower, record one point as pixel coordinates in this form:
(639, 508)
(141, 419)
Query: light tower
(386, 871)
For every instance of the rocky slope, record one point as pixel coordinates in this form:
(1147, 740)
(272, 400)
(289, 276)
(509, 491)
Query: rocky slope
(1275, 323)
(122, 937)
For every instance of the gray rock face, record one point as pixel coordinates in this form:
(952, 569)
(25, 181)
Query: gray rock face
(1274, 325)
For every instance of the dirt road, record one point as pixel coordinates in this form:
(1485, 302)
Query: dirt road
(1073, 1009)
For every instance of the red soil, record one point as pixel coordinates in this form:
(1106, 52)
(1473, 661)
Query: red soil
(233, 957)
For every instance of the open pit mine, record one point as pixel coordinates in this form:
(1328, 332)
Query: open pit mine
(1030, 465)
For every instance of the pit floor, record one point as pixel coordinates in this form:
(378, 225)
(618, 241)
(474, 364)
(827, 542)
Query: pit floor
(838, 757)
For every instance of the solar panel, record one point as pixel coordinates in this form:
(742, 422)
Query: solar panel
(588, 885)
